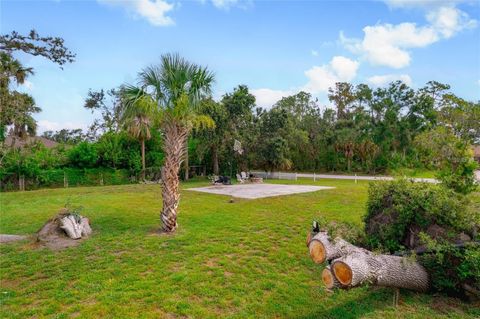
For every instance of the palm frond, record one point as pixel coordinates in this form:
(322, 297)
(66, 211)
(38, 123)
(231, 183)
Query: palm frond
(203, 122)
(175, 85)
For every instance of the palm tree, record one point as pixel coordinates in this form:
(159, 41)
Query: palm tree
(15, 107)
(137, 117)
(11, 68)
(175, 87)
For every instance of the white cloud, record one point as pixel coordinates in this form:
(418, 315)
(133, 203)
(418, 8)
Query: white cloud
(449, 20)
(155, 11)
(420, 3)
(388, 44)
(382, 80)
(46, 125)
(314, 53)
(224, 4)
(321, 78)
(267, 97)
(227, 4)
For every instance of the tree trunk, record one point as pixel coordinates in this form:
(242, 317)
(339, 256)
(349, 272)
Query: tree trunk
(143, 159)
(323, 249)
(352, 266)
(215, 160)
(382, 270)
(174, 147)
(186, 166)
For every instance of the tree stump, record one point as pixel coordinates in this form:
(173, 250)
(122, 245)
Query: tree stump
(64, 230)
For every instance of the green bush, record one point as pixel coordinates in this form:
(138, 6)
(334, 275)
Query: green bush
(395, 208)
(83, 155)
(53, 178)
(403, 216)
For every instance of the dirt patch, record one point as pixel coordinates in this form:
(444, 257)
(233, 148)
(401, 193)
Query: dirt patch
(211, 263)
(160, 232)
(54, 237)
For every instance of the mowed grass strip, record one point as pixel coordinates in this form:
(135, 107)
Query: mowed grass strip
(245, 259)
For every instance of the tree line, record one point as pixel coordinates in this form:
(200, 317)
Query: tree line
(171, 114)
(366, 130)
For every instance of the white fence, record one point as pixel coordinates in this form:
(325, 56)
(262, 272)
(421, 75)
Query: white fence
(314, 176)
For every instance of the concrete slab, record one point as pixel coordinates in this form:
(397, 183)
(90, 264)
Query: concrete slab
(4, 238)
(252, 191)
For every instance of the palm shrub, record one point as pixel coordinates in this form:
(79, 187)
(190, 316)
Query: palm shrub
(172, 91)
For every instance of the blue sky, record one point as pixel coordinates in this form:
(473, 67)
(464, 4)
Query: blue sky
(275, 47)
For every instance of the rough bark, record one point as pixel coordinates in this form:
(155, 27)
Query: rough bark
(323, 249)
(353, 266)
(71, 226)
(185, 163)
(86, 229)
(174, 146)
(359, 268)
(143, 159)
(75, 226)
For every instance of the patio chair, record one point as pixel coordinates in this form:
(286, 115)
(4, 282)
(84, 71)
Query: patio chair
(214, 179)
(240, 179)
(244, 175)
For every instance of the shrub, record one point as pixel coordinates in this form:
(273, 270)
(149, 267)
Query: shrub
(348, 231)
(83, 155)
(403, 215)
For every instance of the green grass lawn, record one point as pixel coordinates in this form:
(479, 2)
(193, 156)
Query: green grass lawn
(245, 259)
(416, 173)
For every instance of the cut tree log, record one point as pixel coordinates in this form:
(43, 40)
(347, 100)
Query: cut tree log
(361, 267)
(329, 279)
(309, 238)
(352, 266)
(322, 249)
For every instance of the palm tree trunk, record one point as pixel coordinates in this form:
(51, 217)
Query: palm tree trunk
(174, 147)
(186, 166)
(143, 159)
